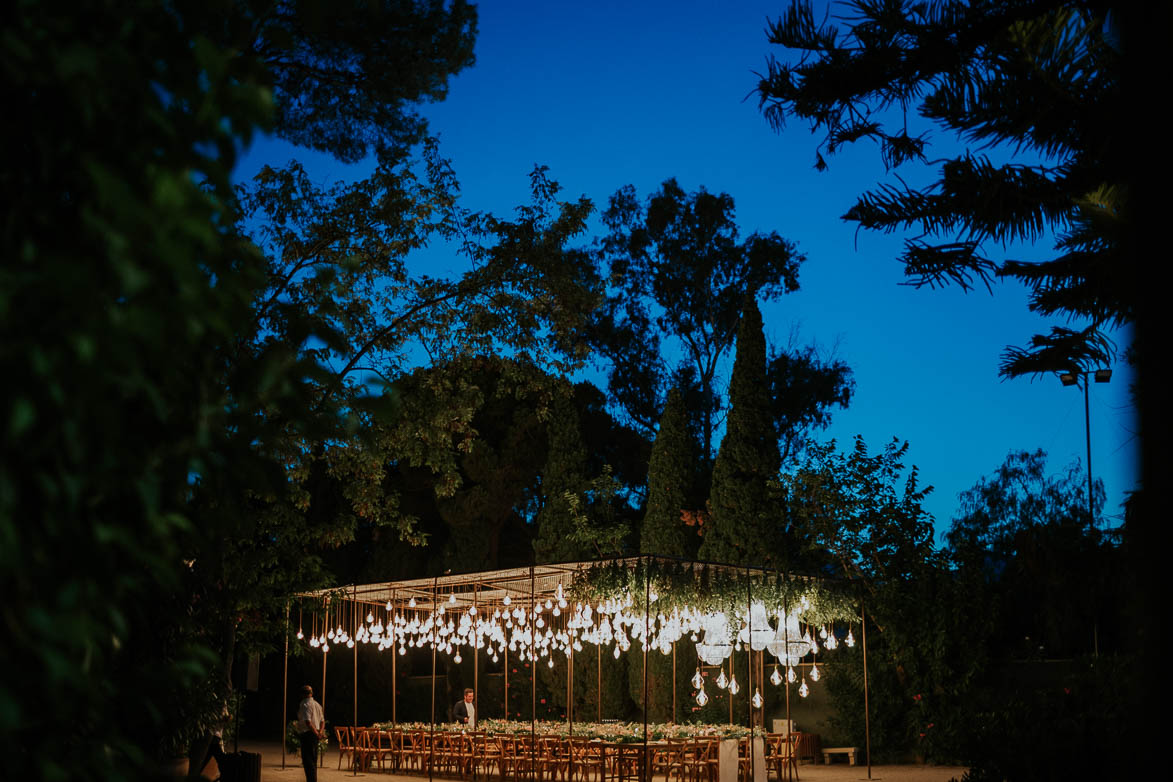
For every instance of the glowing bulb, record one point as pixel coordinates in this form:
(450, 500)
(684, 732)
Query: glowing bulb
(849, 640)
(300, 635)
(734, 688)
(616, 652)
(402, 650)
(790, 677)
(823, 632)
(803, 690)
(388, 605)
(370, 617)
(472, 610)
(550, 664)
(350, 644)
(330, 634)
(815, 673)
(507, 601)
(411, 603)
(698, 681)
(701, 698)
(775, 677)
(757, 699)
(456, 659)
(722, 682)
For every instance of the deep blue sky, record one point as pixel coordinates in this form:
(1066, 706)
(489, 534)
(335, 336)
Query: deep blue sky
(608, 93)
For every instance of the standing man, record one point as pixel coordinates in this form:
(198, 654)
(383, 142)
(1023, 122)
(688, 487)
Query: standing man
(465, 712)
(311, 724)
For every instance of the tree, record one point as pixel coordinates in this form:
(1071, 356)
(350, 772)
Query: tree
(741, 528)
(671, 479)
(680, 274)
(563, 478)
(1028, 534)
(120, 251)
(170, 426)
(347, 83)
(1036, 80)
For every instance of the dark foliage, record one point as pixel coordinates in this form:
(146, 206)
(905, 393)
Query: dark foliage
(1038, 80)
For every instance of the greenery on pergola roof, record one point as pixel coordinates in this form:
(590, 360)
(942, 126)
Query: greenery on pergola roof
(634, 582)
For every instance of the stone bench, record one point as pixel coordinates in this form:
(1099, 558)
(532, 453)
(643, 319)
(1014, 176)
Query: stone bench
(848, 751)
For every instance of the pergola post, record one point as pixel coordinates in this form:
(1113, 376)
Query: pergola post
(867, 727)
(285, 691)
(354, 620)
(326, 626)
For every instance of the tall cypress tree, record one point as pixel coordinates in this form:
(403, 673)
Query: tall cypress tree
(565, 471)
(740, 530)
(670, 477)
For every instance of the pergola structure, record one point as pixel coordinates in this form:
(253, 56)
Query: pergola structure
(537, 612)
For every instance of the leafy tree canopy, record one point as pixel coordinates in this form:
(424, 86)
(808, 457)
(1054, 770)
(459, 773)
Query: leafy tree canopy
(346, 81)
(1037, 79)
(680, 273)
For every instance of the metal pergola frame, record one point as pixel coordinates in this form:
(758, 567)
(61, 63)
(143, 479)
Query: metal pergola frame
(489, 591)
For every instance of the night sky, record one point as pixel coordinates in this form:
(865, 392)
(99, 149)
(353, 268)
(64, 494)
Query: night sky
(607, 94)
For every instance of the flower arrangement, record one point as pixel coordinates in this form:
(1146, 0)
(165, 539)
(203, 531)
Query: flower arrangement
(618, 732)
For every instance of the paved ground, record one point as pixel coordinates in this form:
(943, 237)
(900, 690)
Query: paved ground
(271, 770)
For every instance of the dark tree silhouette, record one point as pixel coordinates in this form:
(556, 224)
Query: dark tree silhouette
(1037, 79)
(680, 273)
(742, 528)
(672, 473)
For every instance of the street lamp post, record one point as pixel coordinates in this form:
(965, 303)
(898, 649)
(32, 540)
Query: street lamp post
(1071, 379)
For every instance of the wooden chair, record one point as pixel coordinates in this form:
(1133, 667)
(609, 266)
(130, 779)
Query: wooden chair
(378, 747)
(343, 735)
(486, 754)
(668, 759)
(586, 760)
(553, 758)
(415, 750)
(699, 759)
(782, 755)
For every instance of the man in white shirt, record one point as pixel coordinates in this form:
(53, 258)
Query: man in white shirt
(311, 725)
(464, 711)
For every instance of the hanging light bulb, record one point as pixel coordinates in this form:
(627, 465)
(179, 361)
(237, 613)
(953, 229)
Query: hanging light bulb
(411, 603)
(370, 617)
(456, 659)
(550, 663)
(790, 677)
(849, 640)
(734, 687)
(698, 680)
(300, 635)
(701, 698)
(775, 677)
(350, 644)
(452, 598)
(722, 682)
(507, 601)
(616, 652)
(832, 642)
(803, 690)
(757, 699)
(388, 605)
(330, 635)
(815, 672)
(823, 632)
